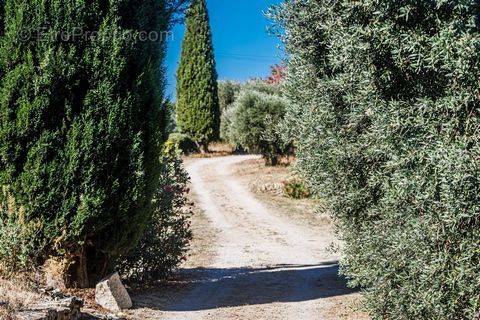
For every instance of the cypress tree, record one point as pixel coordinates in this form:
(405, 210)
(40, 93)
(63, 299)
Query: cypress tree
(197, 90)
(80, 98)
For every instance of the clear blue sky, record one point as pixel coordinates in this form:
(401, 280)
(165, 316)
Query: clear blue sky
(243, 47)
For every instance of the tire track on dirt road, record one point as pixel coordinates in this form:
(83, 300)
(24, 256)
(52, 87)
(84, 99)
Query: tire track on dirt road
(265, 267)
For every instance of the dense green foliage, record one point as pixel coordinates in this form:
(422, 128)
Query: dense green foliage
(198, 113)
(384, 116)
(180, 144)
(227, 90)
(170, 117)
(81, 127)
(164, 244)
(252, 121)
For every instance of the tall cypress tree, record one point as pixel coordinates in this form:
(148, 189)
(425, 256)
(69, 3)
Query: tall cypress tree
(197, 91)
(79, 127)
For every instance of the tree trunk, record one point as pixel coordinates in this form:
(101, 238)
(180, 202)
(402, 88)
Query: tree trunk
(272, 161)
(88, 267)
(203, 147)
(78, 273)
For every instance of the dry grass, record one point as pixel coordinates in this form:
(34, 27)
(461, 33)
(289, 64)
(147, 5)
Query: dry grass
(217, 149)
(347, 308)
(16, 295)
(267, 184)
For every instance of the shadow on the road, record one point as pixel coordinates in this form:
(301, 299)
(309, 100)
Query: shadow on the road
(219, 288)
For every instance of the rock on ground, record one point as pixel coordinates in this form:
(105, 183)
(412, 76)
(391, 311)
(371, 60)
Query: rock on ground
(112, 295)
(65, 309)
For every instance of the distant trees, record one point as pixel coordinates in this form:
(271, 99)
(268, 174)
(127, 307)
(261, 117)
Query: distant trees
(254, 124)
(80, 132)
(227, 90)
(227, 93)
(251, 121)
(198, 113)
(384, 116)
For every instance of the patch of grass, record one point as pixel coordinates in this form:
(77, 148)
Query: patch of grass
(267, 184)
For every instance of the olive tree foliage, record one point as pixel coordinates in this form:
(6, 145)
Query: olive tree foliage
(81, 129)
(384, 117)
(251, 123)
(227, 90)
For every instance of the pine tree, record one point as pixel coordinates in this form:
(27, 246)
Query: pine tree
(79, 127)
(197, 92)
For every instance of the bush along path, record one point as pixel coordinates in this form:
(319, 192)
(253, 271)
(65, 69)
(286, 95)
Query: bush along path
(266, 266)
(386, 130)
(80, 136)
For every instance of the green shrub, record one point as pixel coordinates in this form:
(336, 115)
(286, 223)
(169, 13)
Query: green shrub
(253, 124)
(180, 144)
(170, 118)
(225, 123)
(228, 114)
(198, 113)
(295, 189)
(227, 90)
(384, 119)
(17, 247)
(165, 242)
(80, 127)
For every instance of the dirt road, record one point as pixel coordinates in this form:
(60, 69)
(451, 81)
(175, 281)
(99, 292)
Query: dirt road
(265, 265)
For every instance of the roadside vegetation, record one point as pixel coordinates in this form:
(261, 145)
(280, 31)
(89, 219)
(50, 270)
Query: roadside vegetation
(370, 123)
(251, 113)
(271, 184)
(81, 133)
(384, 118)
(251, 121)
